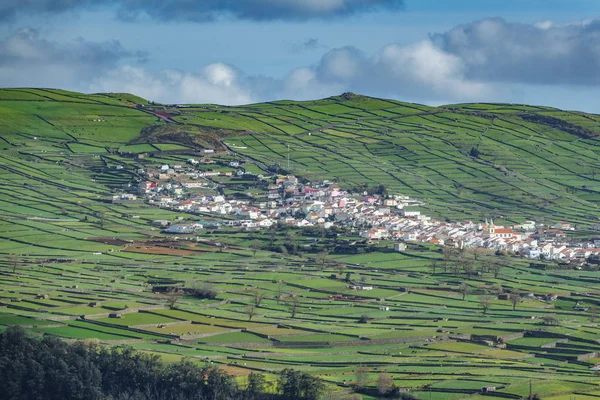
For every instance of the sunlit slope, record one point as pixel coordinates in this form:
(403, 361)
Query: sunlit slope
(465, 161)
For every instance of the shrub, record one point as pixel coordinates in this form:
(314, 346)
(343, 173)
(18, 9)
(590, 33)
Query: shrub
(202, 292)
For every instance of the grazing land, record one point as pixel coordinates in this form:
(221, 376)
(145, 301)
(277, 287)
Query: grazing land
(77, 265)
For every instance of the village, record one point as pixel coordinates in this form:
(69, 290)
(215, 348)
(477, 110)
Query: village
(289, 201)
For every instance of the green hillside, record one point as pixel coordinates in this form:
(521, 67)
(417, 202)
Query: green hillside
(76, 265)
(464, 161)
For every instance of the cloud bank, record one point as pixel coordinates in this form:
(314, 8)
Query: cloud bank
(494, 50)
(26, 59)
(482, 61)
(203, 10)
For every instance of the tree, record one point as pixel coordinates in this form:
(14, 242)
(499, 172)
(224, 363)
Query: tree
(257, 385)
(173, 295)
(550, 320)
(485, 301)
(464, 289)
(467, 265)
(348, 276)
(293, 302)
(361, 377)
(456, 268)
(101, 219)
(293, 384)
(272, 235)
(257, 297)
(385, 383)
(49, 368)
(496, 267)
(15, 261)
(474, 152)
(340, 268)
(433, 267)
(478, 251)
(363, 319)
(292, 242)
(449, 253)
(280, 287)
(322, 258)
(255, 246)
(514, 299)
(250, 311)
(593, 313)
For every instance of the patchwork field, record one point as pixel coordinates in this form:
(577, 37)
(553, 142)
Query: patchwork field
(75, 265)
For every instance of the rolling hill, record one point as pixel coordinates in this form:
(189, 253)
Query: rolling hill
(467, 161)
(76, 265)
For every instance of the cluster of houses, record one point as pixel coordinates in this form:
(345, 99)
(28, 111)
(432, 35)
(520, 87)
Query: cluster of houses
(324, 204)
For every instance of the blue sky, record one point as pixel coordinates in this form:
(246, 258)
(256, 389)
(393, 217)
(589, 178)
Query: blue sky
(198, 51)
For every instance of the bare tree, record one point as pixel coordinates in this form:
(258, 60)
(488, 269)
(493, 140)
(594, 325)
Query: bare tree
(514, 299)
(101, 219)
(250, 312)
(280, 287)
(449, 253)
(293, 303)
(485, 301)
(385, 383)
(272, 235)
(257, 297)
(292, 239)
(456, 268)
(173, 295)
(15, 261)
(478, 251)
(464, 289)
(467, 265)
(322, 258)
(433, 267)
(340, 268)
(593, 313)
(255, 246)
(361, 378)
(496, 267)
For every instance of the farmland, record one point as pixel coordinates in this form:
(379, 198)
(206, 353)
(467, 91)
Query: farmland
(77, 266)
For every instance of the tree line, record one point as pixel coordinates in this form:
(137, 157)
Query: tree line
(48, 368)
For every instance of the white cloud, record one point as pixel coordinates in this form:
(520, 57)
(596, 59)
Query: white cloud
(420, 72)
(482, 61)
(494, 50)
(215, 83)
(26, 59)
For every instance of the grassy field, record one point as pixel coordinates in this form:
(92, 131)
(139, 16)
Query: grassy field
(72, 262)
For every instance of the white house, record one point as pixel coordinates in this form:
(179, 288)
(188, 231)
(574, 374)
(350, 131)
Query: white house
(400, 247)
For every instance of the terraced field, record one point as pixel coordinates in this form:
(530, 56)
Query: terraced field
(77, 266)
(464, 161)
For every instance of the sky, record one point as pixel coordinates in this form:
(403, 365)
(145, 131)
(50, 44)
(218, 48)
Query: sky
(543, 52)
